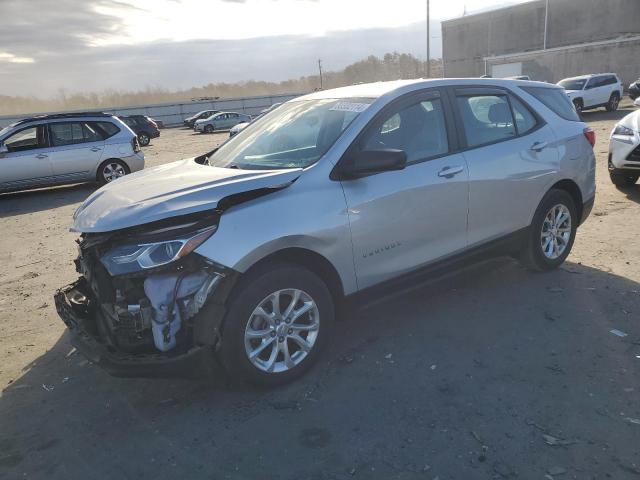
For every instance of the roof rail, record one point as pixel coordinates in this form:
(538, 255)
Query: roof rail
(55, 116)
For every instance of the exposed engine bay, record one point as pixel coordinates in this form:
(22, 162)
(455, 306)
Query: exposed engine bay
(135, 310)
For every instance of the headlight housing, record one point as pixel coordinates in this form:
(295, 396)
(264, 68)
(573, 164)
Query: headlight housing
(624, 131)
(139, 256)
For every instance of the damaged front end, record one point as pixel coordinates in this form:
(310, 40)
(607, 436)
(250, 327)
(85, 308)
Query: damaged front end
(146, 304)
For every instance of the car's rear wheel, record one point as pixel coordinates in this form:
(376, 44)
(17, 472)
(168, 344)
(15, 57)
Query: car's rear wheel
(623, 179)
(111, 170)
(276, 325)
(209, 129)
(613, 103)
(144, 139)
(552, 232)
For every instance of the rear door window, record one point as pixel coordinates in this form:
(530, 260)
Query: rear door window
(67, 133)
(525, 120)
(486, 118)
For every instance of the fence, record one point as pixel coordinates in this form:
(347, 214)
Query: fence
(173, 114)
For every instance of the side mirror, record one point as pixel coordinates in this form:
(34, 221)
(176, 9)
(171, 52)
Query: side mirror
(369, 162)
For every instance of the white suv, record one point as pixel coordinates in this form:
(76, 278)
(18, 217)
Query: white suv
(66, 148)
(593, 91)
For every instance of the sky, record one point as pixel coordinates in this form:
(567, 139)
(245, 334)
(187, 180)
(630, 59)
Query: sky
(49, 46)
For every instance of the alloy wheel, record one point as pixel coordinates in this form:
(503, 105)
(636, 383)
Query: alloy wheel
(282, 330)
(556, 231)
(112, 171)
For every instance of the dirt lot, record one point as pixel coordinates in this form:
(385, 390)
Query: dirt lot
(492, 373)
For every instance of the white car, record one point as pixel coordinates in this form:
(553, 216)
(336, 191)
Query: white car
(67, 148)
(624, 151)
(593, 91)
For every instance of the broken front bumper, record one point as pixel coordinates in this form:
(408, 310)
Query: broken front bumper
(82, 324)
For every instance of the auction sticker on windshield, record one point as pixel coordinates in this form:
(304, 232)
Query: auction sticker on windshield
(350, 107)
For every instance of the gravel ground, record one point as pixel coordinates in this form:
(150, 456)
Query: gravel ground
(493, 372)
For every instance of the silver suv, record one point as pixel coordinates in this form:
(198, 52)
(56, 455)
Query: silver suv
(246, 253)
(66, 148)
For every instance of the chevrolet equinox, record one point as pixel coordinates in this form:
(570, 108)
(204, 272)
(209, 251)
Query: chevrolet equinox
(244, 254)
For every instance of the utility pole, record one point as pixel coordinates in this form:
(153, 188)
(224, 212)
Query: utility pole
(428, 44)
(546, 23)
(320, 70)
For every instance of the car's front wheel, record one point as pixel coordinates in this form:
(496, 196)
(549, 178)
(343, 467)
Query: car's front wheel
(276, 324)
(209, 129)
(613, 103)
(578, 105)
(552, 232)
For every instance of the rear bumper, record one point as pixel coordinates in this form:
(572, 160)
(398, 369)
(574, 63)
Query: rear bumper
(192, 363)
(135, 162)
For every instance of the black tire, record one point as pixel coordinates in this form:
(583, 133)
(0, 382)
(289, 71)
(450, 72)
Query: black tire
(144, 139)
(533, 256)
(101, 175)
(209, 129)
(247, 296)
(579, 105)
(623, 179)
(613, 103)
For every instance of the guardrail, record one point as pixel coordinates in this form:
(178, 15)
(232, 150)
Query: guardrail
(173, 114)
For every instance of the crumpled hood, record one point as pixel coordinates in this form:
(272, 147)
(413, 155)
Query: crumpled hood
(170, 190)
(631, 121)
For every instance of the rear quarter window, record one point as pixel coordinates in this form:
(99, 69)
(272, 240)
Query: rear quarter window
(107, 129)
(556, 100)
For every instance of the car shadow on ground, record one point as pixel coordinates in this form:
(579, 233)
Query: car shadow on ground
(603, 115)
(29, 201)
(491, 372)
(632, 193)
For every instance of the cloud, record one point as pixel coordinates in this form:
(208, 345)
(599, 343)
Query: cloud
(173, 65)
(39, 28)
(11, 58)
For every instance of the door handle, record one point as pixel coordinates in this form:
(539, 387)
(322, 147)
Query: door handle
(42, 155)
(450, 172)
(95, 149)
(539, 146)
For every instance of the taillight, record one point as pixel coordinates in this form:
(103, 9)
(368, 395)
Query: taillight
(590, 135)
(135, 144)
(155, 125)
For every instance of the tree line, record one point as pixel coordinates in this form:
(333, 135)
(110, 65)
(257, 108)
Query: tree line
(391, 66)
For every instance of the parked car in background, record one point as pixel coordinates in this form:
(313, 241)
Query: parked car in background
(220, 121)
(624, 151)
(190, 121)
(238, 128)
(144, 127)
(67, 148)
(241, 126)
(593, 91)
(519, 77)
(245, 252)
(634, 90)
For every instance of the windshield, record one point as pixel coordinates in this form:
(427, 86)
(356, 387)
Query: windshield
(294, 135)
(573, 84)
